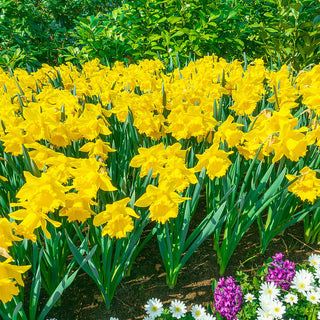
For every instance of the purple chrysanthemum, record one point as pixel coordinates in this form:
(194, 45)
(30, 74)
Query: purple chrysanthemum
(228, 298)
(281, 272)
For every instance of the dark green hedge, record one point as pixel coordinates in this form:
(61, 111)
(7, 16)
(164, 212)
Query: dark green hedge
(34, 32)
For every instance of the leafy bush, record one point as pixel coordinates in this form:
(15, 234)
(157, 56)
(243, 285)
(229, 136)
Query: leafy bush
(55, 31)
(34, 32)
(149, 28)
(288, 30)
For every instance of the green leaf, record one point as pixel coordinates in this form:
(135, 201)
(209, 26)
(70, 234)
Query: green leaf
(36, 284)
(232, 14)
(174, 20)
(64, 284)
(272, 30)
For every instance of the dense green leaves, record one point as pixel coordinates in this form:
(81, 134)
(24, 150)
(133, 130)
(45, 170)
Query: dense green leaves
(34, 32)
(58, 31)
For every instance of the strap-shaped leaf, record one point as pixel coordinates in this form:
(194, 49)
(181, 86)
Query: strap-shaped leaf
(215, 222)
(63, 285)
(35, 286)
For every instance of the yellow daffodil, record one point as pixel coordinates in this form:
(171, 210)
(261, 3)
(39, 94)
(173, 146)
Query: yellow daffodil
(10, 276)
(307, 187)
(175, 171)
(163, 201)
(117, 217)
(228, 131)
(148, 158)
(97, 148)
(214, 160)
(77, 208)
(43, 193)
(6, 234)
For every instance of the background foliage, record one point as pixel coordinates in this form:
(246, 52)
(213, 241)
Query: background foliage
(55, 31)
(34, 32)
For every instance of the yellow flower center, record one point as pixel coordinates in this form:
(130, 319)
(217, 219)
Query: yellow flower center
(276, 309)
(198, 313)
(301, 285)
(313, 298)
(154, 308)
(177, 309)
(269, 291)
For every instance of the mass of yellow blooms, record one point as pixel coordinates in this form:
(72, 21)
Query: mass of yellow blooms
(50, 109)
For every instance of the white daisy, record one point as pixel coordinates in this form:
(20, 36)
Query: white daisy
(148, 318)
(277, 309)
(264, 315)
(265, 303)
(209, 317)
(178, 309)
(249, 297)
(317, 272)
(113, 318)
(313, 296)
(154, 307)
(314, 260)
(302, 281)
(318, 315)
(269, 290)
(291, 299)
(198, 312)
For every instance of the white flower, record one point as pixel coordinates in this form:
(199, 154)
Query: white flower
(113, 318)
(265, 303)
(318, 315)
(291, 299)
(302, 281)
(268, 290)
(178, 309)
(317, 271)
(249, 297)
(314, 260)
(198, 312)
(313, 296)
(154, 307)
(209, 317)
(148, 318)
(264, 315)
(277, 309)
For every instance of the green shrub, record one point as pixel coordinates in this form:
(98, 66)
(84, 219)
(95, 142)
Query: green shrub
(285, 30)
(35, 31)
(148, 28)
(56, 31)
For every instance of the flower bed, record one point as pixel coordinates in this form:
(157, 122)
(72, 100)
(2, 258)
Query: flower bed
(286, 291)
(92, 157)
